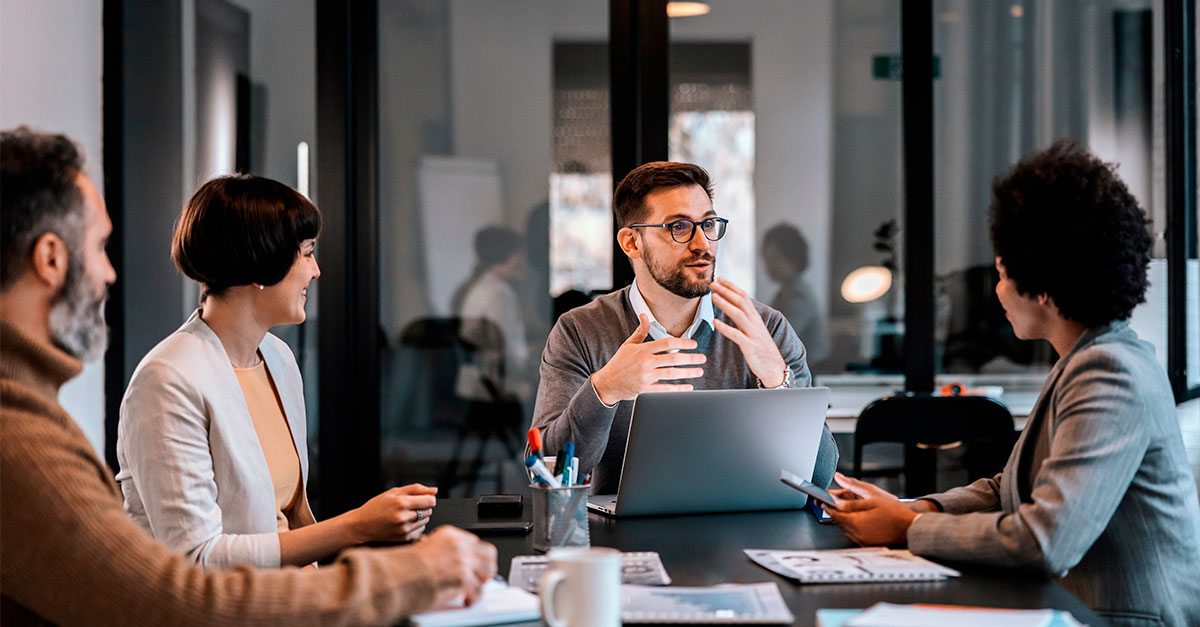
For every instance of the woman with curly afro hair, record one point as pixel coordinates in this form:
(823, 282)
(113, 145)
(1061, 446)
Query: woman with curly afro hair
(1097, 492)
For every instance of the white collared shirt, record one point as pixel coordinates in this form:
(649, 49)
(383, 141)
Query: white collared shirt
(704, 313)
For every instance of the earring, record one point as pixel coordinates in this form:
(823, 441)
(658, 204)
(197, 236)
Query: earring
(260, 288)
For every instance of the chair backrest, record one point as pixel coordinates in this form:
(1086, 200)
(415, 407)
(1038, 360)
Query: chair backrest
(431, 333)
(937, 422)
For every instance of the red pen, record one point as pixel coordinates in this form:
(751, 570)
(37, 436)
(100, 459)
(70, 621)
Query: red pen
(535, 442)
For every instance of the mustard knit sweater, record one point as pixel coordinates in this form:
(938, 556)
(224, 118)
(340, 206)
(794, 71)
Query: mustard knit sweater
(70, 555)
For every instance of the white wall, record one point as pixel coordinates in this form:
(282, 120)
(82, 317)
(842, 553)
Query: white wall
(51, 53)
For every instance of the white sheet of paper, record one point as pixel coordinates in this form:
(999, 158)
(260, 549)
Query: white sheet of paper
(500, 604)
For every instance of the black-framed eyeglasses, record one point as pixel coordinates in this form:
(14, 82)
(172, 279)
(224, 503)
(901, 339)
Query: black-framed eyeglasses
(683, 230)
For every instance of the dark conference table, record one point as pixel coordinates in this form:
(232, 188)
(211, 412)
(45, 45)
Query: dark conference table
(705, 550)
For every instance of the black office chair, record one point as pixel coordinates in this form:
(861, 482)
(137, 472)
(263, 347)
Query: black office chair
(926, 424)
(495, 414)
(434, 361)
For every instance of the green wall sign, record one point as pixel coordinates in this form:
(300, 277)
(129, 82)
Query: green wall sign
(890, 67)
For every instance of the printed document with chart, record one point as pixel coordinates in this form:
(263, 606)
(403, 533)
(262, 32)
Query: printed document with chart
(850, 565)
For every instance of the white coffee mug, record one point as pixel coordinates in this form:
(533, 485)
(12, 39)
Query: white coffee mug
(582, 588)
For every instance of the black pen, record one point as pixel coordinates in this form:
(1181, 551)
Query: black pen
(558, 462)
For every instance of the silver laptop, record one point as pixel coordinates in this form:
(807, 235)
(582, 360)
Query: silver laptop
(716, 451)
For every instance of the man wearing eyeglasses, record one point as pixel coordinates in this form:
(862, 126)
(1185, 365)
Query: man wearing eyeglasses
(662, 333)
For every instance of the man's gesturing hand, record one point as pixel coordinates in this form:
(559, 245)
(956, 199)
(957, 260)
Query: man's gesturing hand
(750, 334)
(640, 366)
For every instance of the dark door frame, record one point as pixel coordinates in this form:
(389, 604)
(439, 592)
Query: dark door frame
(639, 41)
(348, 301)
(1179, 56)
(916, 47)
(113, 86)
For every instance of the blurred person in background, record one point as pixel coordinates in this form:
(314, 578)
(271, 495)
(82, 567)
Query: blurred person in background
(785, 258)
(492, 319)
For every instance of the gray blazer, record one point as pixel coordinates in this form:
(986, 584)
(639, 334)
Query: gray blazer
(1097, 491)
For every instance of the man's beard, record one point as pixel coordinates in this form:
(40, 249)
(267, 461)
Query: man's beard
(675, 278)
(77, 315)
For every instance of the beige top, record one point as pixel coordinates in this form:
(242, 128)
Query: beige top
(275, 437)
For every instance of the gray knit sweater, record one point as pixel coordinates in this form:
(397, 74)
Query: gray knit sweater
(586, 338)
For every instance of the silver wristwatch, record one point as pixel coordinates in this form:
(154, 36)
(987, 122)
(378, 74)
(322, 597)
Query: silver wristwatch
(787, 381)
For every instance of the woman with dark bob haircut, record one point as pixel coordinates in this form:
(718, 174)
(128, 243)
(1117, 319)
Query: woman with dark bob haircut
(212, 436)
(1097, 492)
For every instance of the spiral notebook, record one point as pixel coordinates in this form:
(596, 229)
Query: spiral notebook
(863, 565)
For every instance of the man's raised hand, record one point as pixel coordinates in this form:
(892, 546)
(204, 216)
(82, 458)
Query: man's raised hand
(640, 366)
(749, 332)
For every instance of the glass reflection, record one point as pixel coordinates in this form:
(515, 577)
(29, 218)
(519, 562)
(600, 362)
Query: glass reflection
(495, 208)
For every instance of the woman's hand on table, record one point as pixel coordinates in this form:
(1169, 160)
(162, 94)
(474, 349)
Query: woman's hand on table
(397, 515)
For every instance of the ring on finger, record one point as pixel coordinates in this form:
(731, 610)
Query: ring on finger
(420, 514)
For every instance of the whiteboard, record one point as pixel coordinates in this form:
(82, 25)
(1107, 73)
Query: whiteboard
(458, 197)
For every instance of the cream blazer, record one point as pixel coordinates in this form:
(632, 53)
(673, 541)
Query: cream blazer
(192, 471)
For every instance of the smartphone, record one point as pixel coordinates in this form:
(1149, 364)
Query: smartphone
(513, 526)
(499, 505)
(823, 516)
(807, 487)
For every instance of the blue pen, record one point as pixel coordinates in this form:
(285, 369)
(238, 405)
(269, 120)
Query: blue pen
(569, 452)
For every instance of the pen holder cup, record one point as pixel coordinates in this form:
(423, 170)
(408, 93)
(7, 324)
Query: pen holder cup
(560, 517)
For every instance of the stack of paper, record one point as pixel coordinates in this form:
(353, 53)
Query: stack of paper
(850, 565)
(891, 615)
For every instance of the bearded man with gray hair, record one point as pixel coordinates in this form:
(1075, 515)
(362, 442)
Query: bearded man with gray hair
(45, 192)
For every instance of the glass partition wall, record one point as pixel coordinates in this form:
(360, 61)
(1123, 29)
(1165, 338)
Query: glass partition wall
(779, 101)
(495, 135)
(1012, 77)
(196, 89)
(466, 162)
(495, 189)
(495, 186)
